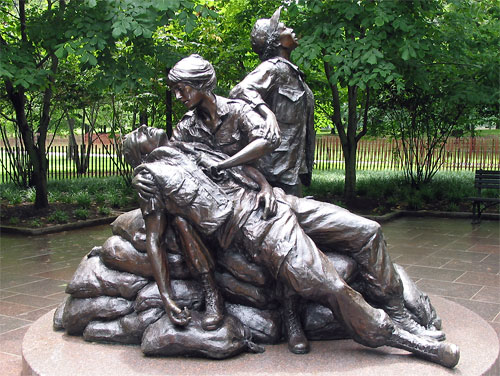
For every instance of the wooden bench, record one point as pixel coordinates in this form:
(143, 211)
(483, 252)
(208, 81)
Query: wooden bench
(484, 179)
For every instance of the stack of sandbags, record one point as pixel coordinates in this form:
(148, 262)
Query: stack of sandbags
(113, 298)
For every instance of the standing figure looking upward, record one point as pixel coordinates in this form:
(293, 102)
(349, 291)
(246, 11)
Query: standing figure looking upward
(277, 88)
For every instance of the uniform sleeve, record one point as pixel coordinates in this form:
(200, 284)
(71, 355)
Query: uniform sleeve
(256, 85)
(149, 204)
(253, 125)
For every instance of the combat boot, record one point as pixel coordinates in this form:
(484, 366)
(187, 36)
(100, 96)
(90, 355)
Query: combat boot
(402, 318)
(443, 353)
(214, 307)
(297, 341)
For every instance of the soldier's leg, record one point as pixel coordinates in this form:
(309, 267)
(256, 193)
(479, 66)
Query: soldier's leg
(336, 229)
(201, 263)
(297, 340)
(311, 274)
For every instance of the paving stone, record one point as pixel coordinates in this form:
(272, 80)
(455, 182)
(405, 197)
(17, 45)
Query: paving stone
(433, 273)
(485, 279)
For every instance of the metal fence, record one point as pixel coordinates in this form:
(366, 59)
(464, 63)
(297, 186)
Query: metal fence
(102, 161)
(381, 154)
(373, 154)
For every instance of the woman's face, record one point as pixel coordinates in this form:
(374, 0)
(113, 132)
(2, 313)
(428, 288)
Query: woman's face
(288, 39)
(188, 95)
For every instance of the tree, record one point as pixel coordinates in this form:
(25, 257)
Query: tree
(114, 36)
(359, 46)
(443, 87)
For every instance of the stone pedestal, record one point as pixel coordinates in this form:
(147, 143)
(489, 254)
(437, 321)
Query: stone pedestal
(49, 353)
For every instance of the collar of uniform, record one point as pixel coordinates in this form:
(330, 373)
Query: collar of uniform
(283, 60)
(222, 111)
(222, 106)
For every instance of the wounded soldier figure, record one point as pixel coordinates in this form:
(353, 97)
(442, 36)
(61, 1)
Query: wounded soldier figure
(174, 180)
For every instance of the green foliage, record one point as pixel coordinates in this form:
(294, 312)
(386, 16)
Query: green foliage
(325, 183)
(449, 190)
(14, 221)
(104, 63)
(84, 192)
(83, 199)
(59, 216)
(11, 194)
(110, 43)
(81, 213)
(30, 195)
(103, 210)
(35, 223)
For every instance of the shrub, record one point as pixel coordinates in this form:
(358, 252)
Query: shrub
(113, 198)
(100, 198)
(81, 213)
(427, 193)
(66, 198)
(13, 195)
(59, 216)
(35, 223)
(30, 195)
(415, 202)
(14, 221)
(104, 210)
(83, 199)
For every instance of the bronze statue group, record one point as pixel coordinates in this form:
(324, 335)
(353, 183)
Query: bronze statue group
(229, 181)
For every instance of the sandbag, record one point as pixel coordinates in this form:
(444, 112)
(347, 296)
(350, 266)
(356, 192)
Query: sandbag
(165, 339)
(265, 325)
(57, 321)
(239, 292)
(119, 254)
(238, 265)
(127, 329)
(131, 227)
(92, 279)
(185, 293)
(79, 312)
(320, 324)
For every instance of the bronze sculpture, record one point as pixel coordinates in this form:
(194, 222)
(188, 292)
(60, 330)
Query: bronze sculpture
(230, 217)
(201, 184)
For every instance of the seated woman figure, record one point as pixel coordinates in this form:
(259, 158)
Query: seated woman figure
(226, 212)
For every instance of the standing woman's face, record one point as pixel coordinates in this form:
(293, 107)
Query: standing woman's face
(188, 95)
(288, 39)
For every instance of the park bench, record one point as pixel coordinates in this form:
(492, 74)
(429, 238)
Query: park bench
(484, 180)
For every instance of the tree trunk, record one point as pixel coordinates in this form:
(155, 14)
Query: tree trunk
(351, 144)
(350, 150)
(143, 117)
(40, 178)
(168, 113)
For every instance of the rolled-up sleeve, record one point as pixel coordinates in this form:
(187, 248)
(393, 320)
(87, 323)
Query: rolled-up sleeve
(149, 203)
(255, 86)
(254, 126)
